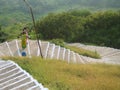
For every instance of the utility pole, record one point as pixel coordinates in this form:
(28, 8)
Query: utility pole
(33, 19)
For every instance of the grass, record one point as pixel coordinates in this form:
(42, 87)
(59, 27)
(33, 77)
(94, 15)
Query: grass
(84, 52)
(80, 51)
(59, 75)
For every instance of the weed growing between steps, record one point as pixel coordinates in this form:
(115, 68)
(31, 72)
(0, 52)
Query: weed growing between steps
(59, 75)
(80, 51)
(84, 52)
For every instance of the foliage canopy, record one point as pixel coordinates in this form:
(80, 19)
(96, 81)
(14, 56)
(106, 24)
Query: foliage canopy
(101, 28)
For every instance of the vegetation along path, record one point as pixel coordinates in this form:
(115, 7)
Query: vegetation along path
(51, 51)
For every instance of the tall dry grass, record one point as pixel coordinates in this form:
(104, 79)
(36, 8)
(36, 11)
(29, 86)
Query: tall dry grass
(59, 75)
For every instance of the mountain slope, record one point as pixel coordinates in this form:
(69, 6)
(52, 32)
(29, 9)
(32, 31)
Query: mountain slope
(11, 8)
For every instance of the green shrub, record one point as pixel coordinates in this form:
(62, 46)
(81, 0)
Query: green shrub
(59, 42)
(3, 35)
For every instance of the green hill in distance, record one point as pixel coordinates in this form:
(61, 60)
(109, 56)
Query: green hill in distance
(95, 20)
(13, 11)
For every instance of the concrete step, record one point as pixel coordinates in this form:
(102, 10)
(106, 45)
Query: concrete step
(116, 53)
(25, 86)
(62, 53)
(7, 68)
(13, 71)
(44, 48)
(88, 59)
(4, 49)
(12, 76)
(109, 51)
(1, 61)
(33, 47)
(17, 83)
(13, 80)
(50, 51)
(67, 55)
(100, 50)
(79, 59)
(4, 64)
(1, 54)
(40, 87)
(56, 52)
(114, 56)
(35, 87)
(72, 57)
(111, 61)
(13, 48)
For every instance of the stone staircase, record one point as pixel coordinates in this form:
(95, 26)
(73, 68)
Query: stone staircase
(49, 50)
(52, 51)
(12, 77)
(109, 55)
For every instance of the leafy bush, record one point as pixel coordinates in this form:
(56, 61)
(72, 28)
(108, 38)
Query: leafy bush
(3, 35)
(64, 26)
(59, 42)
(101, 28)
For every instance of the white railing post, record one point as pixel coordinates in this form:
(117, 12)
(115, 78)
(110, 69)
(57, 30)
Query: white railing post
(9, 48)
(18, 50)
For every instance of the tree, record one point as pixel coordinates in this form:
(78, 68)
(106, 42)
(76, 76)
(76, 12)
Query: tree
(3, 35)
(64, 26)
(101, 28)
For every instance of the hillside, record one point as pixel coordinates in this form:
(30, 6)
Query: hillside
(70, 55)
(12, 11)
(98, 19)
(59, 75)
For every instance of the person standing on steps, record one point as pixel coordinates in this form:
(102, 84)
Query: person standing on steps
(24, 39)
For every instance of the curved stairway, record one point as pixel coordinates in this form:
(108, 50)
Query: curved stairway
(12, 77)
(52, 51)
(109, 55)
(49, 50)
